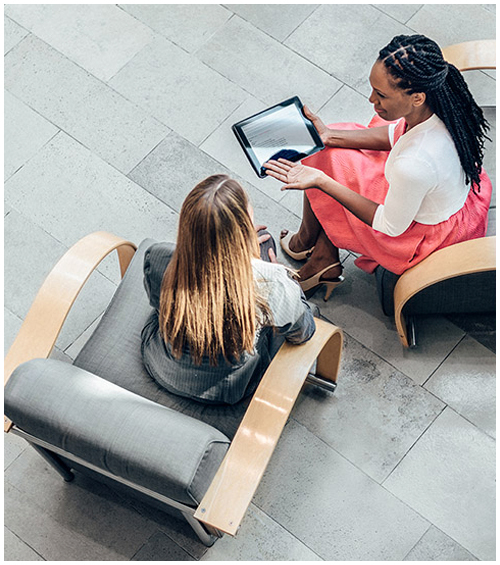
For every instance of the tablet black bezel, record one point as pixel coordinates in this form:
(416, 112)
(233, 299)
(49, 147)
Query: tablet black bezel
(247, 148)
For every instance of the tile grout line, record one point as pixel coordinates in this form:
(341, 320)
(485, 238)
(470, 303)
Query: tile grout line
(25, 543)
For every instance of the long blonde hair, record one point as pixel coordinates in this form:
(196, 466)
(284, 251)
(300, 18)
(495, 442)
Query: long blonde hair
(208, 300)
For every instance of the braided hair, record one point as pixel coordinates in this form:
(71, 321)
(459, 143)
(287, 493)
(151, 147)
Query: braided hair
(417, 64)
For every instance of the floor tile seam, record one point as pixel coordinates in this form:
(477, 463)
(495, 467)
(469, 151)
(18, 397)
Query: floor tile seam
(419, 540)
(378, 355)
(301, 23)
(447, 356)
(102, 82)
(287, 530)
(28, 32)
(288, 48)
(219, 125)
(38, 150)
(145, 543)
(405, 23)
(420, 436)
(25, 543)
(94, 154)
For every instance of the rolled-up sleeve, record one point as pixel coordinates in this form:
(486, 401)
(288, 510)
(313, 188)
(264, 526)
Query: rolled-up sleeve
(291, 315)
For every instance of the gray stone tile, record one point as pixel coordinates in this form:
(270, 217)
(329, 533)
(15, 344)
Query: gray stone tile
(11, 326)
(26, 132)
(160, 547)
(16, 550)
(223, 146)
(72, 193)
(331, 506)
(187, 25)
(455, 457)
(178, 89)
(101, 38)
(170, 179)
(464, 22)
(13, 34)
(85, 108)
(347, 105)
(97, 518)
(53, 540)
(13, 446)
(466, 381)
(436, 546)
(482, 87)
(277, 20)
(30, 264)
(172, 524)
(355, 307)
(260, 539)
(371, 396)
(326, 39)
(264, 67)
(400, 12)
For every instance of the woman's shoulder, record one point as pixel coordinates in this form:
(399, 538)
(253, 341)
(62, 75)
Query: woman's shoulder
(264, 271)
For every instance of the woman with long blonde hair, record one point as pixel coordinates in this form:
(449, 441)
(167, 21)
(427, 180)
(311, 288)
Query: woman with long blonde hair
(220, 312)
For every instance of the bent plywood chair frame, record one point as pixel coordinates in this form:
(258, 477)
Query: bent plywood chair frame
(465, 258)
(226, 501)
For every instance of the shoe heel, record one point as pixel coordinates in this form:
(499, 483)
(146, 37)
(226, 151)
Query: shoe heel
(331, 286)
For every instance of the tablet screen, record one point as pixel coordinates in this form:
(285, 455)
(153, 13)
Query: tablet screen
(280, 131)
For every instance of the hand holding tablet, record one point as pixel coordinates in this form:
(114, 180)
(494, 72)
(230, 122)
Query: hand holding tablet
(281, 131)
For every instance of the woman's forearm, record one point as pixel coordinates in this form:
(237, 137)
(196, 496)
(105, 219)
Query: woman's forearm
(361, 207)
(369, 138)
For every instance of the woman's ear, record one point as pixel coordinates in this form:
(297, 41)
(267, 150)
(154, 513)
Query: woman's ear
(419, 98)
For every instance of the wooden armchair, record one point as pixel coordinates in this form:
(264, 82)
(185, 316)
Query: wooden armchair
(215, 510)
(459, 278)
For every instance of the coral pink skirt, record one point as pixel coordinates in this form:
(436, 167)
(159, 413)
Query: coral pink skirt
(363, 172)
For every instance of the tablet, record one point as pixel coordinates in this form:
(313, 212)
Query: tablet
(279, 131)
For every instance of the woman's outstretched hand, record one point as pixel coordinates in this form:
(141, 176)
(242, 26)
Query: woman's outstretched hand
(294, 175)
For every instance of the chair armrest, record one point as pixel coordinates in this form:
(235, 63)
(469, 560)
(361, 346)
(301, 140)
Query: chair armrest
(473, 256)
(231, 491)
(47, 314)
(472, 55)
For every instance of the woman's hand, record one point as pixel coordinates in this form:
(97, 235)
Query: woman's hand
(262, 239)
(323, 131)
(294, 175)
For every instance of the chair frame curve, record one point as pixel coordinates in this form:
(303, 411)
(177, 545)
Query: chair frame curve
(464, 258)
(228, 497)
(48, 312)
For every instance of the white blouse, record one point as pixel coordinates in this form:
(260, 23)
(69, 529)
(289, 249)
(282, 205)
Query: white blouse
(426, 180)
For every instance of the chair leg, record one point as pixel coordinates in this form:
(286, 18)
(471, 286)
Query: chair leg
(53, 460)
(411, 332)
(330, 386)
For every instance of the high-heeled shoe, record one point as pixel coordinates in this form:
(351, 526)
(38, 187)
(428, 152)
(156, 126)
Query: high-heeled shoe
(297, 255)
(314, 282)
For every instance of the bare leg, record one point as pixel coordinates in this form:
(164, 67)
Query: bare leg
(324, 254)
(309, 231)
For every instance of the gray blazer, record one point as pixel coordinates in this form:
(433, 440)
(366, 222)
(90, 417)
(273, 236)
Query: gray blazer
(227, 382)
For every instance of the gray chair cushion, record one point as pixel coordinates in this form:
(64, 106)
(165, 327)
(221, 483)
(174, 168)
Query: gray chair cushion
(114, 429)
(113, 352)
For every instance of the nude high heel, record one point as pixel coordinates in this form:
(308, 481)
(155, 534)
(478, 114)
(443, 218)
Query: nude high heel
(314, 281)
(298, 256)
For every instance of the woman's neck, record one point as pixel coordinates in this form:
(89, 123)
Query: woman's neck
(420, 115)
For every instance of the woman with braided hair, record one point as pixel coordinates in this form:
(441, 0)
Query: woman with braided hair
(392, 192)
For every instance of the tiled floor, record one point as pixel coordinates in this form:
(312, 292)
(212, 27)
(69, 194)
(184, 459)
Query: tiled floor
(112, 114)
